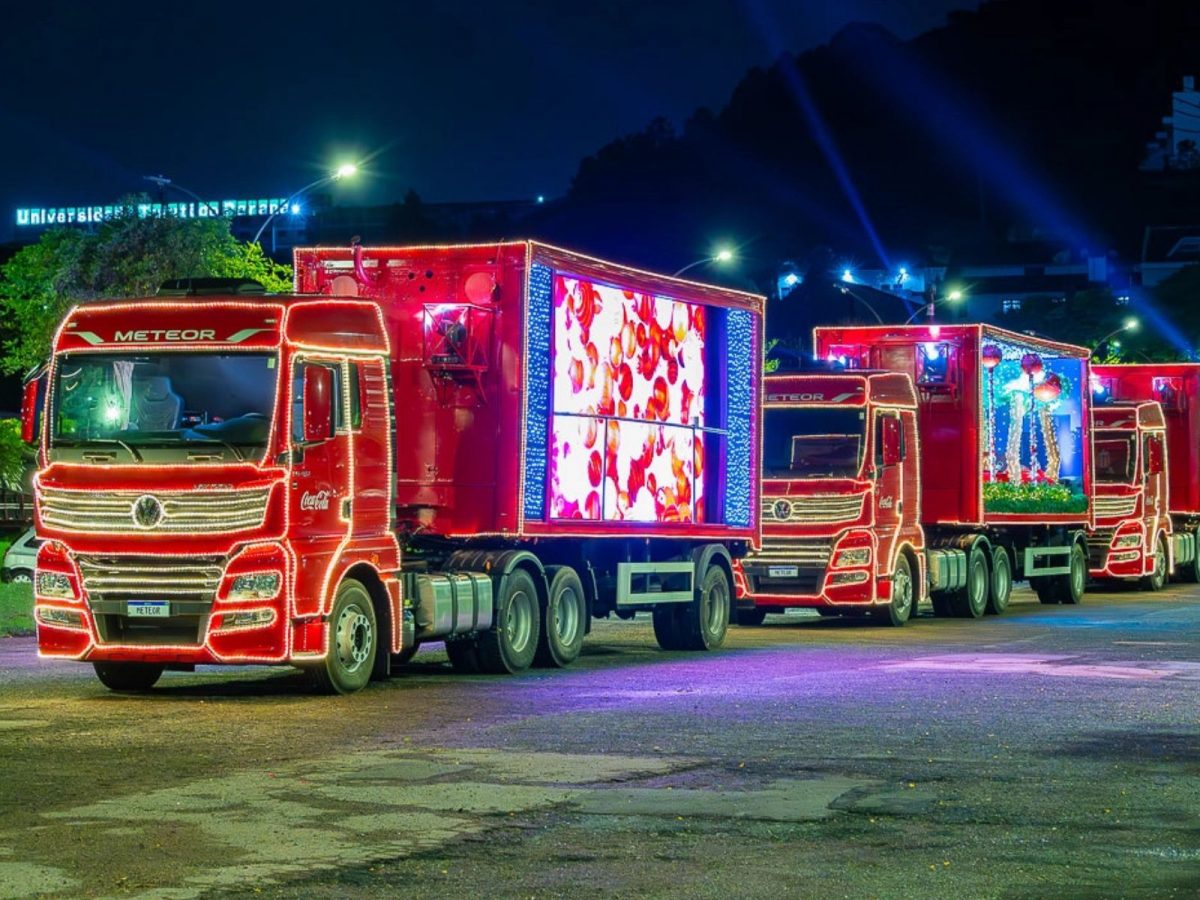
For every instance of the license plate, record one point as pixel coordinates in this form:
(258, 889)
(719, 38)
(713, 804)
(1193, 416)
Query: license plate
(149, 608)
(783, 571)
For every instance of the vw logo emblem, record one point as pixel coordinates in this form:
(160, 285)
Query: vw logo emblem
(147, 511)
(782, 509)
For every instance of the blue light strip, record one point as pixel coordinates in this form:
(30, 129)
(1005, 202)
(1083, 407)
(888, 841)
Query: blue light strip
(537, 376)
(739, 383)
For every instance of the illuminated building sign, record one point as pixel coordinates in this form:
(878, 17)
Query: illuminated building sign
(90, 215)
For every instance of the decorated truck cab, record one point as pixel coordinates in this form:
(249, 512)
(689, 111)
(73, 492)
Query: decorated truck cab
(482, 445)
(1132, 534)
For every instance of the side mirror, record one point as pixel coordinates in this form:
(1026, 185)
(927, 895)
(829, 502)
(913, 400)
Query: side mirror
(318, 403)
(33, 399)
(890, 435)
(1154, 458)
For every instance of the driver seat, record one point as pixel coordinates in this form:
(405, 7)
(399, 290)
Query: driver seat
(155, 406)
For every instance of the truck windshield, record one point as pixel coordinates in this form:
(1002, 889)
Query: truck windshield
(1115, 456)
(813, 442)
(165, 400)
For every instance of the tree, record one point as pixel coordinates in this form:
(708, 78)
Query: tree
(125, 257)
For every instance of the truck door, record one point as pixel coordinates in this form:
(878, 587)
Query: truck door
(320, 475)
(1154, 474)
(889, 485)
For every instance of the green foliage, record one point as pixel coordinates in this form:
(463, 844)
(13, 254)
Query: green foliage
(16, 457)
(125, 257)
(1034, 498)
(16, 609)
(770, 365)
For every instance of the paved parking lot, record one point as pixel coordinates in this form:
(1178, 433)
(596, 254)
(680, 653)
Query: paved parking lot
(1053, 750)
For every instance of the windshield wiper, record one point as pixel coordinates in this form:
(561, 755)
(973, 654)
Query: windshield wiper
(234, 450)
(97, 440)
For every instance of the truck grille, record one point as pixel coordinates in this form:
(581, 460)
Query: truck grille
(192, 512)
(810, 557)
(813, 509)
(189, 583)
(1114, 507)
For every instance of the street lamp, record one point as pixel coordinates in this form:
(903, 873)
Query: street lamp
(953, 296)
(723, 255)
(163, 182)
(346, 170)
(1131, 324)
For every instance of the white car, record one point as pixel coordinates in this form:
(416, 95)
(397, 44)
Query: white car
(20, 559)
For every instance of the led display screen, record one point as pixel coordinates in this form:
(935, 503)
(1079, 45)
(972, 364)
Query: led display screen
(627, 405)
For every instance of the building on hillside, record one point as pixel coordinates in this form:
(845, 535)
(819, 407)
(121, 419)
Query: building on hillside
(1177, 146)
(1166, 249)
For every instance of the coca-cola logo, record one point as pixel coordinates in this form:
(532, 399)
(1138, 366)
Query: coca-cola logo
(319, 500)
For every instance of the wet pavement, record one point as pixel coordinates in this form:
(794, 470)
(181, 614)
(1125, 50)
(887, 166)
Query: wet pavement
(1051, 750)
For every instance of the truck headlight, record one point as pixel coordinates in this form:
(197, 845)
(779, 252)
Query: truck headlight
(55, 584)
(856, 556)
(259, 586)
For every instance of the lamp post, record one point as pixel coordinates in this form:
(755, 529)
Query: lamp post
(346, 170)
(164, 182)
(1131, 324)
(723, 255)
(953, 296)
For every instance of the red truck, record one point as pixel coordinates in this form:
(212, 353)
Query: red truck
(1175, 387)
(942, 461)
(483, 445)
(1132, 534)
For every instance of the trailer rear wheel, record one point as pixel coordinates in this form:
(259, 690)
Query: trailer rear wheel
(1073, 584)
(666, 626)
(701, 624)
(128, 678)
(353, 640)
(970, 601)
(1157, 578)
(510, 645)
(900, 609)
(564, 619)
(1000, 587)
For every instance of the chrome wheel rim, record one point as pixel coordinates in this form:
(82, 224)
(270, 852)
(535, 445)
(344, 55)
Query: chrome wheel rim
(716, 608)
(519, 621)
(979, 588)
(902, 594)
(566, 616)
(354, 638)
(1078, 575)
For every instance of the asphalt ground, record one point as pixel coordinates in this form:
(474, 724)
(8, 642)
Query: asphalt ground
(1053, 751)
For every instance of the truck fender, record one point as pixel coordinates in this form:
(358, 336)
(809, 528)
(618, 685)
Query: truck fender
(499, 564)
(709, 554)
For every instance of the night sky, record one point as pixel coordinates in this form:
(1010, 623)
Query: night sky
(459, 100)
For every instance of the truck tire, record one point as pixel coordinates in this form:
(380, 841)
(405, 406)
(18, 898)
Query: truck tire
(1157, 578)
(751, 617)
(1072, 585)
(353, 642)
(510, 645)
(128, 678)
(970, 601)
(1000, 584)
(564, 619)
(900, 610)
(701, 624)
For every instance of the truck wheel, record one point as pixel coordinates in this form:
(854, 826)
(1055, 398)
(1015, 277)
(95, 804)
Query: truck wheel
(464, 655)
(1157, 578)
(1000, 588)
(701, 624)
(751, 617)
(128, 678)
(1046, 587)
(564, 619)
(510, 645)
(900, 609)
(353, 639)
(970, 601)
(1072, 585)
(666, 627)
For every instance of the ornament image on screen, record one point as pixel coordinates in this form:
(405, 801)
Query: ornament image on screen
(628, 405)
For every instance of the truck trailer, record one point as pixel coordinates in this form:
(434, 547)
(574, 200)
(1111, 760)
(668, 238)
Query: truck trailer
(932, 460)
(1175, 387)
(484, 445)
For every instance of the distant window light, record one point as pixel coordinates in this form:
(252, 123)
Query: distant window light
(1123, 300)
(1011, 306)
